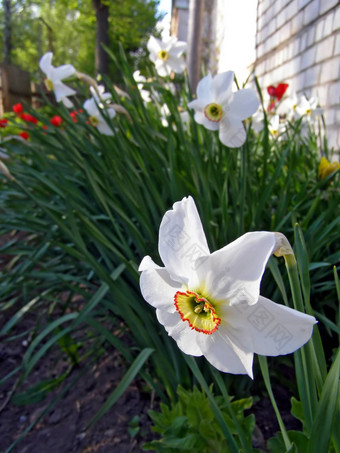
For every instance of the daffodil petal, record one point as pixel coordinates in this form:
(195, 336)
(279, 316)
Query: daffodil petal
(225, 355)
(61, 90)
(64, 71)
(162, 68)
(272, 329)
(221, 87)
(182, 240)
(204, 90)
(158, 289)
(91, 107)
(176, 64)
(231, 132)
(67, 103)
(46, 63)
(200, 118)
(244, 103)
(154, 45)
(185, 337)
(104, 128)
(178, 48)
(234, 272)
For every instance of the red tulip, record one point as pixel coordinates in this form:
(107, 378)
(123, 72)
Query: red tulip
(17, 108)
(56, 120)
(3, 122)
(24, 134)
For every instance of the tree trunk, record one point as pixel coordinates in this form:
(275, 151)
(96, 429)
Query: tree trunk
(194, 42)
(102, 37)
(7, 37)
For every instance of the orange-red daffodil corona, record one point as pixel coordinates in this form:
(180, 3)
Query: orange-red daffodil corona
(210, 303)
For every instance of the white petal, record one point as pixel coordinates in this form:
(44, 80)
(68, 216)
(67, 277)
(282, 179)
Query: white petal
(232, 132)
(204, 90)
(177, 64)
(244, 103)
(185, 337)
(67, 103)
(62, 72)
(162, 68)
(196, 104)
(158, 289)
(104, 128)
(61, 90)
(182, 240)
(222, 87)
(234, 272)
(91, 107)
(200, 118)
(224, 355)
(45, 63)
(154, 45)
(178, 48)
(272, 329)
(148, 263)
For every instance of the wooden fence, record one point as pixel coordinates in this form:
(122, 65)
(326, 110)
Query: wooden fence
(16, 86)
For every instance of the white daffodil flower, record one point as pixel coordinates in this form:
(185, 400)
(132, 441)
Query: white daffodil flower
(218, 108)
(309, 108)
(275, 126)
(167, 55)
(99, 95)
(287, 107)
(140, 79)
(96, 119)
(54, 77)
(210, 303)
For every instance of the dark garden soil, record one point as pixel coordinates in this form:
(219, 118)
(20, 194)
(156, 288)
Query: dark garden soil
(62, 429)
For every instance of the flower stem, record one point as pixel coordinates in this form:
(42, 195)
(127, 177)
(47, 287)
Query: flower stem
(266, 378)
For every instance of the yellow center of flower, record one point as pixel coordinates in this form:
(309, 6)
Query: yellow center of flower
(197, 311)
(163, 55)
(48, 84)
(94, 121)
(308, 112)
(213, 112)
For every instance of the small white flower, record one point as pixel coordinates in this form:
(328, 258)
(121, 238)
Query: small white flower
(257, 120)
(99, 95)
(167, 55)
(309, 108)
(140, 79)
(96, 118)
(54, 77)
(210, 302)
(275, 126)
(218, 108)
(287, 107)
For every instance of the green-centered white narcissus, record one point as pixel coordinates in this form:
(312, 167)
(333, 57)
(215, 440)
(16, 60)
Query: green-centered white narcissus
(96, 118)
(217, 107)
(54, 77)
(167, 55)
(210, 303)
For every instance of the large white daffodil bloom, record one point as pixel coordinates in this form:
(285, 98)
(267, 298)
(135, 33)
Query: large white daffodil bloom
(219, 108)
(54, 77)
(167, 55)
(210, 303)
(96, 118)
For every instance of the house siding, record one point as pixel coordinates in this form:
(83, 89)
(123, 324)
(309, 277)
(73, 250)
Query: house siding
(298, 42)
